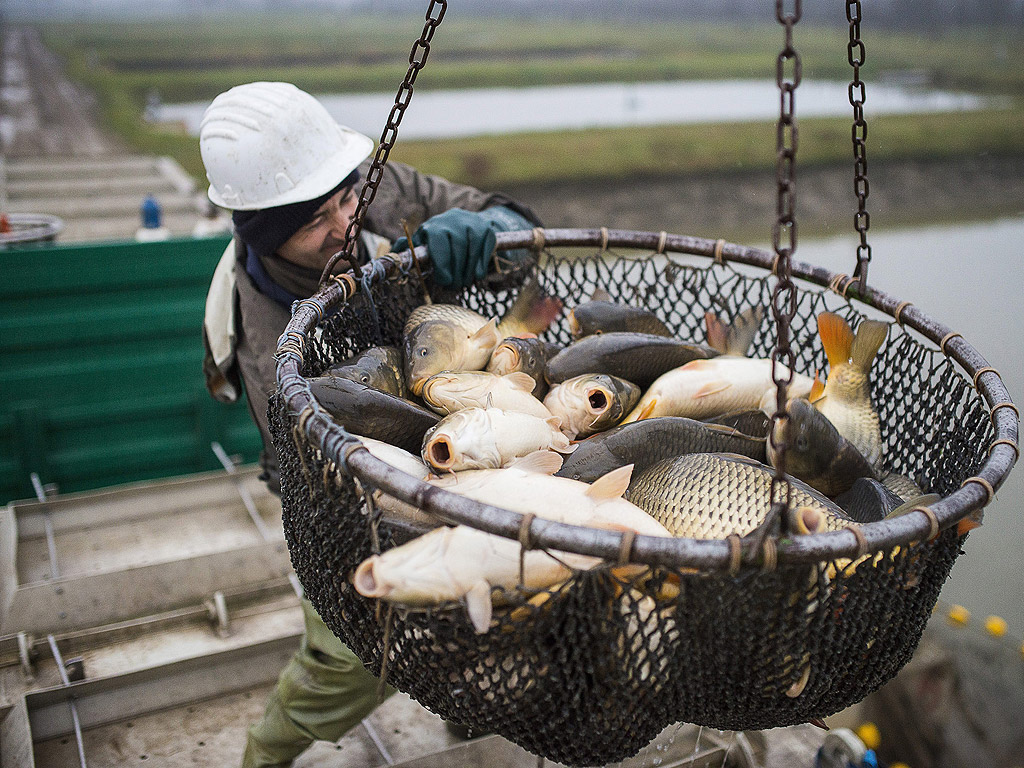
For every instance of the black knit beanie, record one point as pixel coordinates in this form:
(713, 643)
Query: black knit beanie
(268, 229)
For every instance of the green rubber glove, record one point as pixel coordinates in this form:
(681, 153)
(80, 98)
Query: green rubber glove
(461, 242)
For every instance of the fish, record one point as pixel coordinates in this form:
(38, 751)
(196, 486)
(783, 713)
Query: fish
(450, 392)
(901, 485)
(403, 461)
(646, 442)
(452, 344)
(815, 451)
(487, 438)
(527, 356)
(371, 412)
(637, 357)
(378, 367)
(602, 315)
(713, 495)
(846, 399)
(464, 563)
(591, 403)
(532, 312)
(753, 422)
(447, 337)
(868, 500)
(703, 389)
(528, 485)
(737, 337)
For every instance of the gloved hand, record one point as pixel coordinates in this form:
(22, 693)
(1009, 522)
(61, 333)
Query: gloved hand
(461, 242)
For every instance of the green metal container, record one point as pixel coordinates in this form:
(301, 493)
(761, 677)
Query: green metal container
(101, 366)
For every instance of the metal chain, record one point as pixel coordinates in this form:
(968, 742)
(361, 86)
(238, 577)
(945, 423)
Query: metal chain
(417, 59)
(859, 133)
(784, 298)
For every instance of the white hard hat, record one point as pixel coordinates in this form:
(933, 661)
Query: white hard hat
(271, 144)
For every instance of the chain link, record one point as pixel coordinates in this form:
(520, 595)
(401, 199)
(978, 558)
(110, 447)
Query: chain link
(784, 299)
(417, 59)
(859, 134)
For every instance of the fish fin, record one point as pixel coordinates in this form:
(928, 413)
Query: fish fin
(520, 380)
(836, 338)
(540, 462)
(648, 410)
(699, 364)
(712, 388)
(739, 457)
(866, 343)
(741, 333)
(724, 430)
(611, 485)
(717, 332)
(817, 388)
(970, 522)
(479, 607)
(909, 506)
(533, 311)
(600, 294)
(487, 334)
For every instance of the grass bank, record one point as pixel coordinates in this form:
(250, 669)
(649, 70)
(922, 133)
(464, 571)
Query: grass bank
(328, 53)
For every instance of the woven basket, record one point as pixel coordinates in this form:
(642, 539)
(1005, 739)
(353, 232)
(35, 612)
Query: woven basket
(725, 637)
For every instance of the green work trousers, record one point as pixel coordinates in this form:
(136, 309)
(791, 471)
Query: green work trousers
(321, 694)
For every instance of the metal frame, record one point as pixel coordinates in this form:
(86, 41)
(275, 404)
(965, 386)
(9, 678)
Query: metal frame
(334, 441)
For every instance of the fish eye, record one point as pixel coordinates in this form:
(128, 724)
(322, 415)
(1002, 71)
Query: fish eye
(423, 351)
(802, 443)
(365, 378)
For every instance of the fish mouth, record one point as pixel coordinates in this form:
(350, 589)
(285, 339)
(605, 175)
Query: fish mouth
(366, 582)
(416, 385)
(598, 400)
(512, 353)
(807, 520)
(440, 452)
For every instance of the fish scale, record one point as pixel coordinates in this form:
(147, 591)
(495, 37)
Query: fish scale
(847, 404)
(711, 495)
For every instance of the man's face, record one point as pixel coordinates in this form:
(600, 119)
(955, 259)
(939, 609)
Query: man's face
(324, 234)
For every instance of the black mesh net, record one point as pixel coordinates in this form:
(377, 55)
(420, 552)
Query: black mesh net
(591, 670)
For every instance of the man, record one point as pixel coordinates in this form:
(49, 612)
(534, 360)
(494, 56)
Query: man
(289, 174)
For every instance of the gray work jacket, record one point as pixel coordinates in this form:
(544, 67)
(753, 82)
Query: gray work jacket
(242, 325)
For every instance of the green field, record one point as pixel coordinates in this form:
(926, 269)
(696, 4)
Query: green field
(326, 53)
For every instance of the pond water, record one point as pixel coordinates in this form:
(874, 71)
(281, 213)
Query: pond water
(479, 111)
(968, 277)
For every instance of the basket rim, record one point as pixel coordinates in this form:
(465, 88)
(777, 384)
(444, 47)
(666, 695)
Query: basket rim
(333, 440)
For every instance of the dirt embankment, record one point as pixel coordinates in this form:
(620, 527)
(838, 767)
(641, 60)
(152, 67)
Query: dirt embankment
(740, 205)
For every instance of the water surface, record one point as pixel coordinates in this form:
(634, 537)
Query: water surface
(480, 111)
(969, 277)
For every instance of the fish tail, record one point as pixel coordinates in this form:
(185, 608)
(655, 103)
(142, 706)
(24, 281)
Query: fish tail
(717, 332)
(735, 338)
(533, 311)
(742, 331)
(836, 338)
(870, 336)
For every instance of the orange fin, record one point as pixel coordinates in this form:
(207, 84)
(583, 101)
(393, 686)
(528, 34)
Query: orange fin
(817, 388)
(836, 338)
(648, 410)
(969, 523)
